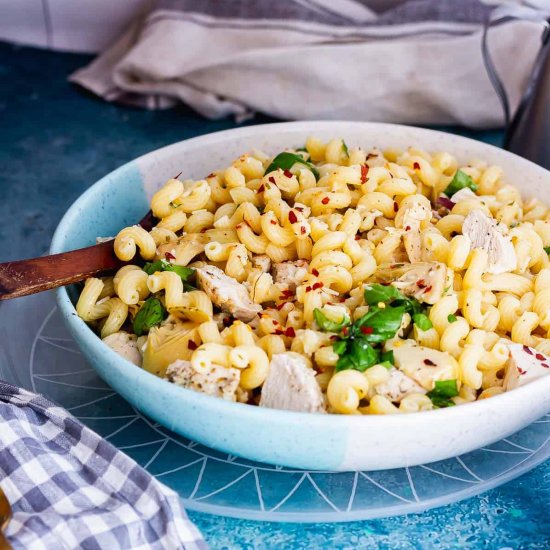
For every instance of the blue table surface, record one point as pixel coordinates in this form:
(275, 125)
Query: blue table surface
(55, 141)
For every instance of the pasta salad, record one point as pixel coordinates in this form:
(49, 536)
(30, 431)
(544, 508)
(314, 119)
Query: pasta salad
(333, 279)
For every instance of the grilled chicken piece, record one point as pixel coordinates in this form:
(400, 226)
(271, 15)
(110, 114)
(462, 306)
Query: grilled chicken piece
(262, 262)
(398, 386)
(486, 233)
(226, 293)
(289, 273)
(125, 345)
(425, 281)
(525, 364)
(217, 381)
(291, 385)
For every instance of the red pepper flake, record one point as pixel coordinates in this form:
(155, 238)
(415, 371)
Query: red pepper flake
(428, 289)
(315, 272)
(227, 321)
(292, 217)
(290, 332)
(540, 357)
(281, 306)
(308, 289)
(416, 166)
(279, 331)
(271, 179)
(545, 365)
(408, 228)
(345, 331)
(357, 237)
(261, 189)
(364, 172)
(521, 371)
(169, 256)
(299, 208)
(367, 330)
(420, 283)
(288, 173)
(342, 299)
(429, 362)
(317, 285)
(274, 321)
(192, 345)
(527, 349)
(395, 206)
(326, 200)
(288, 293)
(302, 230)
(272, 222)
(333, 337)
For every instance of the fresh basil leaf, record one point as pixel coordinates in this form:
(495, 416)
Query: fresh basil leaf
(376, 293)
(452, 318)
(186, 273)
(387, 357)
(383, 322)
(547, 250)
(327, 324)
(286, 160)
(422, 321)
(359, 355)
(339, 347)
(460, 181)
(150, 314)
(345, 149)
(442, 393)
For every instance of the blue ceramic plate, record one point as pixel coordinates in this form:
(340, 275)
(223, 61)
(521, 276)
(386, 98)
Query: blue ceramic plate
(300, 440)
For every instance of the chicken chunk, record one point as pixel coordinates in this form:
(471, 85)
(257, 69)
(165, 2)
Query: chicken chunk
(125, 345)
(226, 293)
(464, 194)
(262, 262)
(217, 381)
(398, 386)
(525, 364)
(291, 385)
(424, 365)
(289, 273)
(486, 233)
(425, 281)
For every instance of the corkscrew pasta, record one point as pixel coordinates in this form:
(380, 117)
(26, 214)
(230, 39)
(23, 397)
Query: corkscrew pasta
(332, 278)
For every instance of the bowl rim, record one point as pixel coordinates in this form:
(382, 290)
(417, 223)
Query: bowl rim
(146, 378)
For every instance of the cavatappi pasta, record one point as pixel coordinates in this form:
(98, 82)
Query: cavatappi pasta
(333, 279)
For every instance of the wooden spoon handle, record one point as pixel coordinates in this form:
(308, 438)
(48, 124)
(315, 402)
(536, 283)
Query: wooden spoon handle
(37, 274)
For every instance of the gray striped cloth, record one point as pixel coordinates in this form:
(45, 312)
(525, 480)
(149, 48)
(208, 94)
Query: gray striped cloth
(71, 489)
(407, 61)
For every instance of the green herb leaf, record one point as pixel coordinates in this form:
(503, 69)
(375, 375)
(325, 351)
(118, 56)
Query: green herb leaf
(384, 323)
(186, 273)
(150, 314)
(376, 293)
(547, 250)
(387, 357)
(328, 325)
(345, 149)
(451, 318)
(286, 160)
(339, 347)
(422, 321)
(460, 181)
(442, 393)
(360, 355)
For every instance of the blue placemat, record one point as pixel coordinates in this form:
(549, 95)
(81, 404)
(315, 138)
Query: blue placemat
(54, 143)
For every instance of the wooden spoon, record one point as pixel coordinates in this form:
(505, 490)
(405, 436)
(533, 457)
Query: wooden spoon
(38, 274)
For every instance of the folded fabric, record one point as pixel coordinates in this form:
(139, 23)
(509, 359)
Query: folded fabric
(69, 488)
(419, 62)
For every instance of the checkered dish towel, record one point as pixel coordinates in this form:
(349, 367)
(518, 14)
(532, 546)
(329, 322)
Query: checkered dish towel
(407, 61)
(69, 488)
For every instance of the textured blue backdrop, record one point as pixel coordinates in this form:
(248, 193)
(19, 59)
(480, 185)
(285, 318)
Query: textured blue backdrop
(55, 141)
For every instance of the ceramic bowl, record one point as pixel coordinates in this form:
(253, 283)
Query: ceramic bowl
(311, 441)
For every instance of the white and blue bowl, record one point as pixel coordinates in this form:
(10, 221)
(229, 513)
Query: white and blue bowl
(310, 441)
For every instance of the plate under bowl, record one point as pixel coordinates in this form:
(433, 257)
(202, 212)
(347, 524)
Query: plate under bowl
(321, 442)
